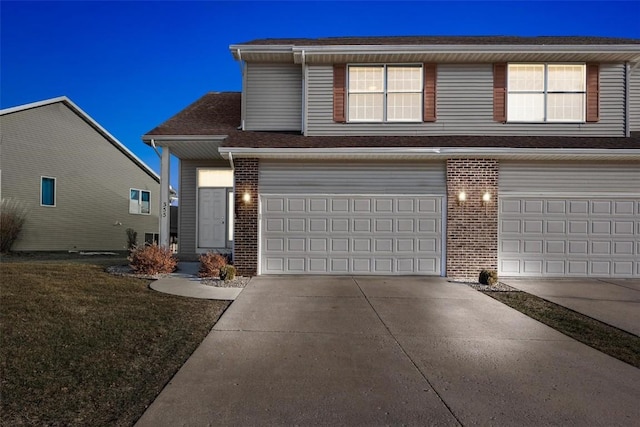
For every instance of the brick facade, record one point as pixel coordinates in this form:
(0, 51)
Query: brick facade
(472, 225)
(245, 248)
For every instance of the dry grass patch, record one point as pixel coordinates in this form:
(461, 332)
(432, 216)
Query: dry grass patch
(82, 347)
(613, 341)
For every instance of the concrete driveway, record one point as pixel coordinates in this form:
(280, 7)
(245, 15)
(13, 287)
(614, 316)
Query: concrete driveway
(390, 351)
(612, 301)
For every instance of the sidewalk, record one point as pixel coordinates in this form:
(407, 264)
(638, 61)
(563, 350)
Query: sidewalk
(186, 283)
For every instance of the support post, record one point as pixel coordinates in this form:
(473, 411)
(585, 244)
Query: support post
(165, 202)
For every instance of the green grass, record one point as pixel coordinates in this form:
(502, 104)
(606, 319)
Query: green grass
(605, 338)
(82, 347)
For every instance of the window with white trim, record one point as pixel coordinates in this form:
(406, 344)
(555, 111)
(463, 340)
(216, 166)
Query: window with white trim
(385, 93)
(139, 202)
(47, 191)
(546, 92)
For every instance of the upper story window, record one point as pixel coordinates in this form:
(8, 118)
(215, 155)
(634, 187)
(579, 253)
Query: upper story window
(139, 202)
(47, 191)
(546, 93)
(385, 93)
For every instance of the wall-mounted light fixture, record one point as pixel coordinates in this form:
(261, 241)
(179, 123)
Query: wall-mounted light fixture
(246, 197)
(486, 197)
(462, 197)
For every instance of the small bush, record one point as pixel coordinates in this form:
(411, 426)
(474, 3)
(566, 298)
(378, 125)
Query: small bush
(210, 264)
(132, 239)
(12, 216)
(227, 272)
(488, 277)
(152, 259)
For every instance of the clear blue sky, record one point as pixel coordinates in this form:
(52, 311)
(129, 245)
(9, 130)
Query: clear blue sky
(132, 65)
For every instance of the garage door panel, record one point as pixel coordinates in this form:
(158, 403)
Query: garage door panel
(343, 234)
(599, 237)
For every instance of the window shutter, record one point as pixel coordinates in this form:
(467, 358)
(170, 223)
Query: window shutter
(430, 75)
(500, 92)
(339, 80)
(593, 92)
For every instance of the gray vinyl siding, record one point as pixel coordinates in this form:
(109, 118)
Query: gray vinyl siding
(273, 97)
(634, 101)
(188, 205)
(281, 177)
(93, 179)
(465, 107)
(569, 177)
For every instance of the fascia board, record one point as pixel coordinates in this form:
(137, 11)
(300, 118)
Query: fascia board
(435, 152)
(181, 138)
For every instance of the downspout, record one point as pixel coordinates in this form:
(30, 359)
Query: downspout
(303, 117)
(153, 144)
(627, 100)
(242, 101)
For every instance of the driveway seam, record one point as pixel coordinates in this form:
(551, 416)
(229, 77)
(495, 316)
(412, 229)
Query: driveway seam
(407, 355)
(617, 284)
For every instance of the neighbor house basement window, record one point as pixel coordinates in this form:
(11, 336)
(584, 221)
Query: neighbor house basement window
(139, 202)
(546, 93)
(47, 191)
(385, 93)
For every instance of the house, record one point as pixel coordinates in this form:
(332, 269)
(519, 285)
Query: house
(417, 155)
(82, 188)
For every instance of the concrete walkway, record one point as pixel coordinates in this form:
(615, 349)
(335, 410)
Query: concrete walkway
(390, 351)
(612, 301)
(186, 283)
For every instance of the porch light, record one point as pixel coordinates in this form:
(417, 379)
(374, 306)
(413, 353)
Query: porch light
(462, 197)
(486, 197)
(246, 197)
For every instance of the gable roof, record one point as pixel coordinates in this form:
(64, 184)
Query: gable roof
(444, 40)
(91, 122)
(218, 114)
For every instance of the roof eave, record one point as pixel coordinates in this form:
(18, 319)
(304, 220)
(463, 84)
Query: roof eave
(397, 153)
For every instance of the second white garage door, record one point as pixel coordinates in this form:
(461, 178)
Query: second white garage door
(341, 234)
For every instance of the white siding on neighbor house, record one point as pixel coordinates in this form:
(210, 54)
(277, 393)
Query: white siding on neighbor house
(93, 180)
(321, 177)
(188, 203)
(634, 100)
(465, 107)
(273, 97)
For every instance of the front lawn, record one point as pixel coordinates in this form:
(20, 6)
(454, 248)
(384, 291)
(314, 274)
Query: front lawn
(81, 347)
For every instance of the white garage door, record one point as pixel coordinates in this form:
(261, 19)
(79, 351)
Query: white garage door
(342, 234)
(569, 237)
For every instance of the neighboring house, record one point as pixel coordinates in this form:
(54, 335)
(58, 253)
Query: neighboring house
(81, 186)
(417, 155)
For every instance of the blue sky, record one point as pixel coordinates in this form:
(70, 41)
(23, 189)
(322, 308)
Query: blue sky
(132, 65)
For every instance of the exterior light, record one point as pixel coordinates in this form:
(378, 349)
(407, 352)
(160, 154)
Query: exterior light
(246, 197)
(462, 197)
(486, 197)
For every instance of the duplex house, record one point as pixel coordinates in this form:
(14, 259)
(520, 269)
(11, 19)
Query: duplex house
(417, 155)
(81, 187)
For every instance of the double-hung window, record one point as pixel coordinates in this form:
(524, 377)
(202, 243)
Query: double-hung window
(139, 202)
(546, 93)
(47, 191)
(385, 93)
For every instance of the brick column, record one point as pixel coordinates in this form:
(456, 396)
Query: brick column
(472, 226)
(245, 233)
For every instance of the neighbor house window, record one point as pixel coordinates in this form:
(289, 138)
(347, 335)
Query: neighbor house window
(139, 202)
(47, 191)
(546, 93)
(385, 93)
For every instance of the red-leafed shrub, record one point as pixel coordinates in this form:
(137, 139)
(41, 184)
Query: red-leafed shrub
(152, 259)
(210, 264)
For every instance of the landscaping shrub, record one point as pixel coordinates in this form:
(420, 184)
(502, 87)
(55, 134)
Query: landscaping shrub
(12, 216)
(132, 239)
(227, 272)
(488, 277)
(211, 263)
(152, 259)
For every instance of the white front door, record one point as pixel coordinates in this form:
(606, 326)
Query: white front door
(212, 208)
